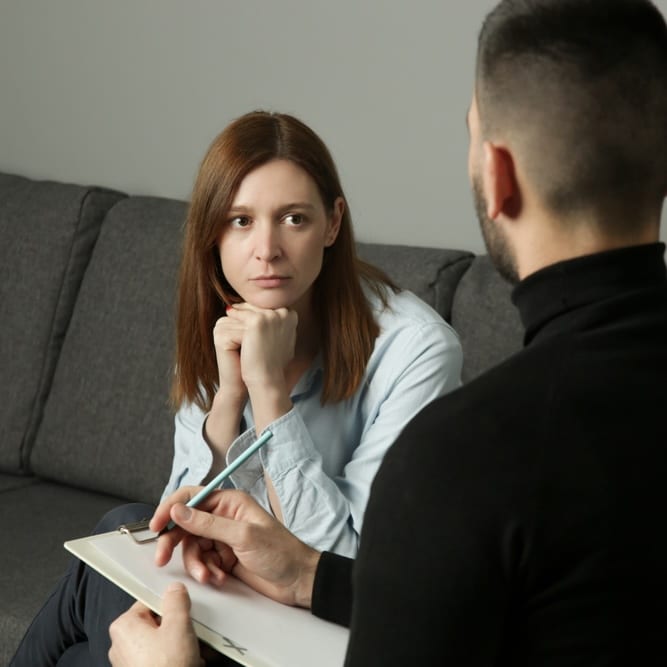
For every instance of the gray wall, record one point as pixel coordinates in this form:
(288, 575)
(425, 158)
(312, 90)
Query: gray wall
(129, 93)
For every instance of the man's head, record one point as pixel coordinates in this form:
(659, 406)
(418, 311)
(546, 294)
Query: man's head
(578, 90)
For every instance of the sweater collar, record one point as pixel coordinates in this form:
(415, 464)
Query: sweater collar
(578, 282)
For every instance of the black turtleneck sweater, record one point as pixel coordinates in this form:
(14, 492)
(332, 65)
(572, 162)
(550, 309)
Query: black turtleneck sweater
(521, 520)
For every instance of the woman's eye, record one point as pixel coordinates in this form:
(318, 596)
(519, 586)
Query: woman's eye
(294, 219)
(239, 222)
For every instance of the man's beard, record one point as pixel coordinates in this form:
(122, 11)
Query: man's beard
(496, 243)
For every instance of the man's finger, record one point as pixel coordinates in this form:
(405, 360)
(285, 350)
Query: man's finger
(175, 606)
(208, 525)
(192, 560)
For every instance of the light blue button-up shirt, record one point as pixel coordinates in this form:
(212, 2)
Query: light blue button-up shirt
(322, 459)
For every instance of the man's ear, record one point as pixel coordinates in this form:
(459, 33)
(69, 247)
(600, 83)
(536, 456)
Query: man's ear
(499, 181)
(335, 221)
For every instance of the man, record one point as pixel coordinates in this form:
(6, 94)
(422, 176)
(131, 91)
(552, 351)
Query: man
(517, 521)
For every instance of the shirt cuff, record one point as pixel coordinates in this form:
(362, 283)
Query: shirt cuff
(247, 475)
(285, 451)
(289, 447)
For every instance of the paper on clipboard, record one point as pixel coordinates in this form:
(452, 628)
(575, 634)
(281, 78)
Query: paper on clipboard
(236, 620)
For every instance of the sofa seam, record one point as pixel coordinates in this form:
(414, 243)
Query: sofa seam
(468, 257)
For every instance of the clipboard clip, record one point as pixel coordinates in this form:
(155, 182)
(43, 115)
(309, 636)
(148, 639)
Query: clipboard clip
(139, 531)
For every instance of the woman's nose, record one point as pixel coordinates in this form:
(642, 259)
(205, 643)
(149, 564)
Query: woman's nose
(267, 242)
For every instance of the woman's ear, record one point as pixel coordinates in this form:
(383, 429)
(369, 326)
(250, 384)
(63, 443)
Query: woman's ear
(499, 182)
(335, 220)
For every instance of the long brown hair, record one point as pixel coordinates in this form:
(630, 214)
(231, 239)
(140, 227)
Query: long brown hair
(347, 327)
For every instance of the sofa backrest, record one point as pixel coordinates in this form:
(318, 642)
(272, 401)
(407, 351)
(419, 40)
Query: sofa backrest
(466, 290)
(485, 318)
(47, 231)
(107, 423)
(431, 273)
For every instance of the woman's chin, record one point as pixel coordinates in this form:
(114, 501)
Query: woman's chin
(270, 301)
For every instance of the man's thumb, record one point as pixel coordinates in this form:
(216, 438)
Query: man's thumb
(181, 513)
(175, 602)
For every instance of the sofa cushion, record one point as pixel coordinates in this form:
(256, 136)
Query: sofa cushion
(431, 273)
(485, 318)
(36, 521)
(11, 482)
(107, 423)
(48, 230)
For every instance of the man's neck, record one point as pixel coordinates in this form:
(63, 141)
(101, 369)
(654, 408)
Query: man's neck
(547, 244)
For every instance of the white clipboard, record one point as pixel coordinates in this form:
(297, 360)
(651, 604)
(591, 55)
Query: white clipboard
(235, 620)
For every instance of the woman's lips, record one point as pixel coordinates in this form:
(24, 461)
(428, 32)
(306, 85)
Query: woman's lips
(270, 281)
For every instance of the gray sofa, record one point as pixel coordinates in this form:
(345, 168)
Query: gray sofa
(87, 283)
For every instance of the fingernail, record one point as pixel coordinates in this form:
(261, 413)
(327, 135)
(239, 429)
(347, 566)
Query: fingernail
(182, 512)
(175, 586)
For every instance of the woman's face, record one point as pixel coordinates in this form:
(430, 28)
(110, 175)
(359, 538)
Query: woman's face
(273, 239)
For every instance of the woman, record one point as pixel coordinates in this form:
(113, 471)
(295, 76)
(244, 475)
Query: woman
(307, 341)
(279, 326)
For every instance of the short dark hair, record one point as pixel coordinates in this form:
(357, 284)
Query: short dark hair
(582, 87)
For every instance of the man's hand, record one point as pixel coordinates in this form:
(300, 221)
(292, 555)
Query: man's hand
(231, 533)
(140, 639)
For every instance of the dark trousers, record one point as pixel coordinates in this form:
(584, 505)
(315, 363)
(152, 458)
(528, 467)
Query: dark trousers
(72, 628)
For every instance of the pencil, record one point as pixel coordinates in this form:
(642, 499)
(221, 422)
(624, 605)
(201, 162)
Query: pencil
(215, 483)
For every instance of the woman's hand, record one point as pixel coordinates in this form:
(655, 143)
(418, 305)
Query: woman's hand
(227, 339)
(266, 339)
(222, 423)
(253, 347)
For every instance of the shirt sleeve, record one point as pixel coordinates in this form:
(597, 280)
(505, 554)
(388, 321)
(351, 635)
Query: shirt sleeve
(192, 455)
(418, 364)
(332, 589)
